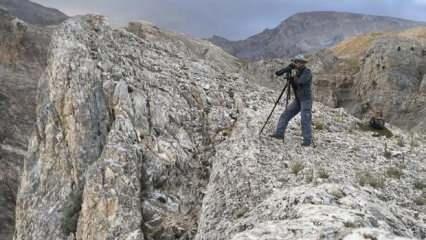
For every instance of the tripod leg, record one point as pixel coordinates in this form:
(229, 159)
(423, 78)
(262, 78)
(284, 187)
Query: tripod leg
(276, 103)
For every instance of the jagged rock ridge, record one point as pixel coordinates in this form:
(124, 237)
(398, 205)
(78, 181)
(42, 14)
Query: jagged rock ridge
(138, 137)
(309, 32)
(23, 57)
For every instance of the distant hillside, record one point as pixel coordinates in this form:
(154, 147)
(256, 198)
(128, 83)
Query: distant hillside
(32, 12)
(309, 32)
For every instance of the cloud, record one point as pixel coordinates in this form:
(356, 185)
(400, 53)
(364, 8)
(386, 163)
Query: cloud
(233, 19)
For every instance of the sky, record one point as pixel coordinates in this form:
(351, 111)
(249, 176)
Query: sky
(232, 19)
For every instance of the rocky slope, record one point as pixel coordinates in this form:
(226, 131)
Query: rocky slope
(309, 32)
(32, 12)
(23, 56)
(138, 137)
(382, 72)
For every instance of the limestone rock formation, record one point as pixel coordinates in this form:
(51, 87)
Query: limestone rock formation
(143, 134)
(23, 56)
(309, 32)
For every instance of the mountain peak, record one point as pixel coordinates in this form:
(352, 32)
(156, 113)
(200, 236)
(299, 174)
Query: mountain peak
(307, 32)
(33, 13)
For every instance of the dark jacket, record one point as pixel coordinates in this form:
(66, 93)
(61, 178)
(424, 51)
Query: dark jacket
(302, 84)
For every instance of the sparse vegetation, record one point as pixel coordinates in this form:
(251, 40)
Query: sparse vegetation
(353, 64)
(309, 176)
(420, 184)
(386, 152)
(318, 125)
(240, 212)
(227, 132)
(372, 179)
(400, 141)
(338, 193)
(393, 172)
(71, 212)
(322, 173)
(421, 200)
(350, 225)
(297, 167)
(413, 141)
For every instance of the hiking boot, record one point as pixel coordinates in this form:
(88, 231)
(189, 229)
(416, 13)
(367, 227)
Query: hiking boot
(306, 144)
(277, 136)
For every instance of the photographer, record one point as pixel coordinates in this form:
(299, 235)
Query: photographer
(301, 84)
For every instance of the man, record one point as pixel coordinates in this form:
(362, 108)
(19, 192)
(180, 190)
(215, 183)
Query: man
(301, 85)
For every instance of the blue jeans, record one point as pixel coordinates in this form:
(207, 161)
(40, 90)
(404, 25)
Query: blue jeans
(305, 107)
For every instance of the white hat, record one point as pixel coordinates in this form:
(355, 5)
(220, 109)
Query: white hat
(299, 58)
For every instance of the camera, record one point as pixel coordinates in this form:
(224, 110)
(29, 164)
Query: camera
(287, 69)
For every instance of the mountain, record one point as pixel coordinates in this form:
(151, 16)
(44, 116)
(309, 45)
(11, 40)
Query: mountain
(32, 12)
(308, 32)
(145, 134)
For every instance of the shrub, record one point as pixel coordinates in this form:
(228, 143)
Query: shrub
(318, 125)
(393, 172)
(421, 200)
(297, 167)
(367, 178)
(387, 153)
(71, 212)
(322, 173)
(420, 184)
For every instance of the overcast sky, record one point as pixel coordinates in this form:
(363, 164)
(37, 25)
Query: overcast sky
(233, 19)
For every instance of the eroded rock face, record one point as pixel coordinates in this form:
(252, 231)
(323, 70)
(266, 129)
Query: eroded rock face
(390, 80)
(132, 125)
(140, 137)
(23, 49)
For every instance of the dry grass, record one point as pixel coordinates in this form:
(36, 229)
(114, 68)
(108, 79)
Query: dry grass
(414, 33)
(393, 172)
(356, 46)
(297, 167)
(372, 179)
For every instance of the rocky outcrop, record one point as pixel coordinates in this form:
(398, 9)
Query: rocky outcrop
(132, 126)
(139, 136)
(390, 80)
(32, 13)
(23, 56)
(309, 32)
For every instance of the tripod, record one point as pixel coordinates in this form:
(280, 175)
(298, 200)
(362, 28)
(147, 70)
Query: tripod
(287, 88)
